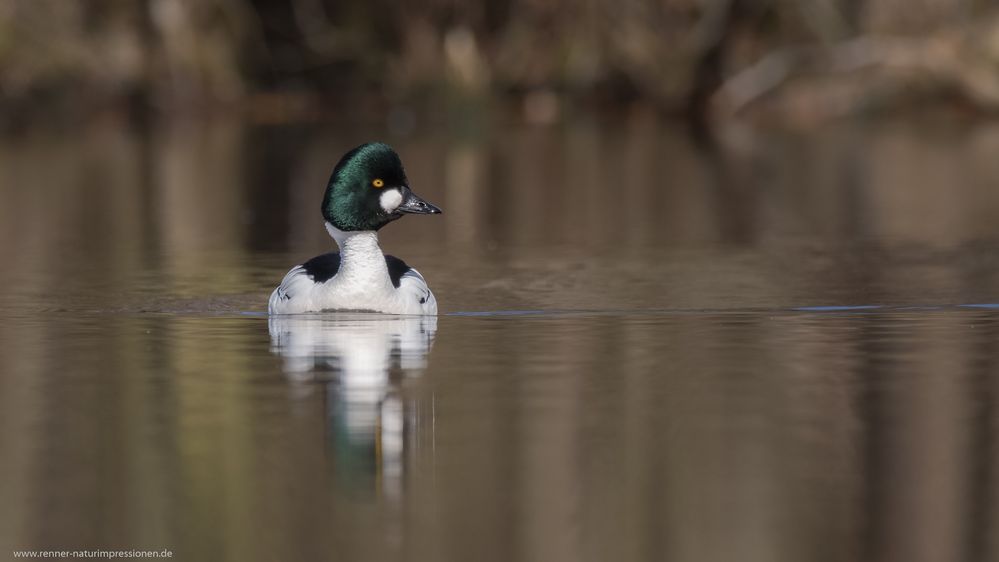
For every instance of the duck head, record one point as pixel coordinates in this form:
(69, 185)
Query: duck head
(368, 189)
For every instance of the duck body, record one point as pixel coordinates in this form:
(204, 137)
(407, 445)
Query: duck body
(368, 189)
(358, 278)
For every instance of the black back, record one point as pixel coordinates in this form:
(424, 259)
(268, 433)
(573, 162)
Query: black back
(322, 268)
(397, 268)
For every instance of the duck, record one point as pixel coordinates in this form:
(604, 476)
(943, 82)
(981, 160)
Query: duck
(367, 190)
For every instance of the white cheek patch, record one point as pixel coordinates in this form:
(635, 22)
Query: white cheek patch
(390, 200)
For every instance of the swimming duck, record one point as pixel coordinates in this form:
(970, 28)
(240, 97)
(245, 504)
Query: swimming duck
(367, 190)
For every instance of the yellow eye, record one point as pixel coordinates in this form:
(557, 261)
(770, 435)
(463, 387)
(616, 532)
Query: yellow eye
(378, 183)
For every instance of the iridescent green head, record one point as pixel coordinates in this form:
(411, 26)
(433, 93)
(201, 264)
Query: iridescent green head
(369, 189)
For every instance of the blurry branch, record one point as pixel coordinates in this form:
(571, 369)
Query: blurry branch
(715, 33)
(774, 69)
(951, 59)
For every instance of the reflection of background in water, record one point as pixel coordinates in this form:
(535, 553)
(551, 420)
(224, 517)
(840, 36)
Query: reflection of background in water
(532, 216)
(363, 361)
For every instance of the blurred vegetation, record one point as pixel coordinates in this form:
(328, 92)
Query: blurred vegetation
(297, 59)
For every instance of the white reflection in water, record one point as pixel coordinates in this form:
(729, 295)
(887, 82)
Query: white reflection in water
(356, 355)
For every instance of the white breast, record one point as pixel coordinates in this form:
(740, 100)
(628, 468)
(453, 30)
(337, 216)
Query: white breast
(298, 293)
(361, 283)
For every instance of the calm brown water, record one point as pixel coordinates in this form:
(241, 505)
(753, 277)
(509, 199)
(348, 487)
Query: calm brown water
(632, 361)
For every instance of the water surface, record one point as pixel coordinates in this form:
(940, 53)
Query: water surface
(649, 349)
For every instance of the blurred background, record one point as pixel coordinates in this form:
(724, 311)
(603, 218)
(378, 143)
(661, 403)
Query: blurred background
(538, 60)
(718, 280)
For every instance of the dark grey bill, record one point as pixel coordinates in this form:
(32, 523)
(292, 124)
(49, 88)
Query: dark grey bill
(414, 204)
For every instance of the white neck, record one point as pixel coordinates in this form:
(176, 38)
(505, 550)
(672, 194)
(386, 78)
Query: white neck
(361, 258)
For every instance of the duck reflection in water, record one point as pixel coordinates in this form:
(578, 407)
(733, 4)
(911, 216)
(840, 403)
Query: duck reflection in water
(364, 361)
